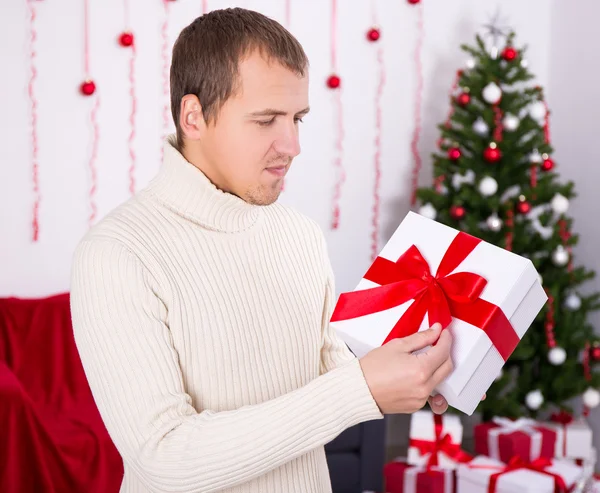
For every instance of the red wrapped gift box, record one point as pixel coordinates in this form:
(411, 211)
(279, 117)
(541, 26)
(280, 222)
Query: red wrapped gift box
(503, 440)
(401, 477)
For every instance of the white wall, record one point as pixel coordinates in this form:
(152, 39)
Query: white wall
(551, 29)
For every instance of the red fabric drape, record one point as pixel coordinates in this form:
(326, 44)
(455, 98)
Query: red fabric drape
(52, 438)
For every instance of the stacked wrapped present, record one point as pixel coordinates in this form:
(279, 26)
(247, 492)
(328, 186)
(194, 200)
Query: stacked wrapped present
(488, 298)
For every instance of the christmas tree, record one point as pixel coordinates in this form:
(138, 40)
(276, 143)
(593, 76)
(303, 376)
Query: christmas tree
(496, 179)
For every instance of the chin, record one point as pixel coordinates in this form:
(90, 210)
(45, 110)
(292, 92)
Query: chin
(262, 196)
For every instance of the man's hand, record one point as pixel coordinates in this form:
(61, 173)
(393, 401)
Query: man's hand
(439, 405)
(401, 382)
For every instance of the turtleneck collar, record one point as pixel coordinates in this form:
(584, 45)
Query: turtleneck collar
(186, 190)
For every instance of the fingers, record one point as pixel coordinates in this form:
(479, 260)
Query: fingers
(437, 355)
(421, 339)
(438, 404)
(441, 373)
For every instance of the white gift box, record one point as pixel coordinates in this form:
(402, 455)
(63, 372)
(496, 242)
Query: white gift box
(576, 443)
(422, 427)
(512, 285)
(474, 477)
(588, 464)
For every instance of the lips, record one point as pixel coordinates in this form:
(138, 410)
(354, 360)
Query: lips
(277, 170)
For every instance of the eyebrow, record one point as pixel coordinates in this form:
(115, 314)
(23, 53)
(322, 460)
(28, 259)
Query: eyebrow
(273, 112)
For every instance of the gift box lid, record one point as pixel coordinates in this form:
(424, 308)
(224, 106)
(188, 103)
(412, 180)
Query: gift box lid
(481, 468)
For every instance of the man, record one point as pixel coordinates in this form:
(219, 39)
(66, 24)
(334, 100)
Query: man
(201, 307)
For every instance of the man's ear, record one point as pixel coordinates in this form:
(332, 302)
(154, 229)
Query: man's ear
(191, 119)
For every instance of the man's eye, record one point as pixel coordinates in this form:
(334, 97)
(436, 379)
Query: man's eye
(266, 123)
(298, 120)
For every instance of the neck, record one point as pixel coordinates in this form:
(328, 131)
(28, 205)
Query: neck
(186, 189)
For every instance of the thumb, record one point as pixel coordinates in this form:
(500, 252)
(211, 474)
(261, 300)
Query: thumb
(422, 339)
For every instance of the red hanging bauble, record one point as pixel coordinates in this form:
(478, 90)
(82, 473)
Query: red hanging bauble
(463, 99)
(523, 207)
(87, 88)
(333, 81)
(595, 352)
(492, 154)
(454, 153)
(547, 164)
(509, 54)
(457, 212)
(414, 2)
(373, 34)
(126, 39)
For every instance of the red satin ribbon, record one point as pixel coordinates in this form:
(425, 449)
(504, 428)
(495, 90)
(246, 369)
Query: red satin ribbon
(443, 296)
(564, 418)
(441, 443)
(538, 465)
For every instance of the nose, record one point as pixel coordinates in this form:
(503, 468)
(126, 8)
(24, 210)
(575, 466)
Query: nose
(288, 142)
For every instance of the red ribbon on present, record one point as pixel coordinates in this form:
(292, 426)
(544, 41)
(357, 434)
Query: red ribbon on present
(538, 465)
(441, 443)
(443, 296)
(564, 418)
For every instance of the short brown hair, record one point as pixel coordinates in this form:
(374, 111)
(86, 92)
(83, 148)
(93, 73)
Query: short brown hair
(207, 53)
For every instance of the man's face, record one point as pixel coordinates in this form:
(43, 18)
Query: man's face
(250, 147)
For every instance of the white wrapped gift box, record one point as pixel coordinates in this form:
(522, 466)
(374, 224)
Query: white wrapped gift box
(512, 285)
(475, 476)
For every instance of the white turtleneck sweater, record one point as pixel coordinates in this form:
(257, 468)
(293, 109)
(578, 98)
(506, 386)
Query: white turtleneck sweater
(202, 325)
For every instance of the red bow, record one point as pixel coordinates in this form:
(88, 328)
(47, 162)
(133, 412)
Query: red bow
(564, 418)
(538, 465)
(443, 296)
(440, 444)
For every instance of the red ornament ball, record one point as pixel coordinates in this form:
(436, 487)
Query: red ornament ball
(454, 153)
(463, 99)
(595, 353)
(509, 54)
(457, 212)
(373, 34)
(414, 2)
(87, 88)
(333, 81)
(547, 164)
(523, 207)
(492, 154)
(126, 39)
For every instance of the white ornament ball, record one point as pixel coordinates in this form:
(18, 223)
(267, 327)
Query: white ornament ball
(524, 63)
(494, 223)
(560, 204)
(537, 111)
(557, 356)
(428, 211)
(534, 400)
(573, 302)
(480, 127)
(510, 122)
(470, 63)
(492, 93)
(535, 157)
(591, 398)
(560, 256)
(488, 186)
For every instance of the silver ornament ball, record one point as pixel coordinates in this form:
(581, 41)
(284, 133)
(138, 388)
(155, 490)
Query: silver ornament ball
(559, 204)
(557, 356)
(488, 186)
(537, 111)
(573, 302)
(560, 256)
(470, 63)
(492, 93)
(591, 398)
(480, 127)
(510, 122)
(428, 211)
(534, 400)
(494, 223)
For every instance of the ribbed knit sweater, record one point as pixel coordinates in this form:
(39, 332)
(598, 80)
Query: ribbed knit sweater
(202, 326)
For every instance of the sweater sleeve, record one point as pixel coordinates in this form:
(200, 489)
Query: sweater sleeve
(121, 331)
